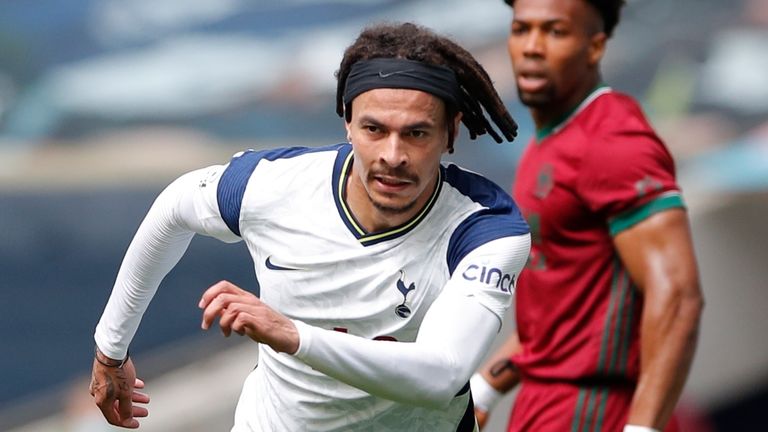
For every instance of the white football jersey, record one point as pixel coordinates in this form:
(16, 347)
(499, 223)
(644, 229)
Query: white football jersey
(316, 264)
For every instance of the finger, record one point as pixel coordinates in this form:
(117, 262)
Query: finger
(216, 308)
(137, 383)
(125, 409)
(246, 323)
(138, 397)
(234, 308)
(109, 411)
(124, 420)
(216, 289)
(139, 412)
(238, 327)
(228, 316)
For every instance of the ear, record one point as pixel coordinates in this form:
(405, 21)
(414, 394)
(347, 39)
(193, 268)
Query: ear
(349, 132)
(457, 122)
(597, 48)
(456, 128)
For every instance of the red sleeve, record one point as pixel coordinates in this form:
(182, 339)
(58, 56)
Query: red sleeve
(625, 172)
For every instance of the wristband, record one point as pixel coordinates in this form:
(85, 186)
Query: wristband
(484, 396)
(634, 428)
(117, 363)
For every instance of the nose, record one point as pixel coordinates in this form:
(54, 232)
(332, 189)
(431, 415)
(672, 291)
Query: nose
(534, 44)
(393, 151)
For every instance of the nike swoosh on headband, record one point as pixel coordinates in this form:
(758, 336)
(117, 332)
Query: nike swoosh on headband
(389, 74)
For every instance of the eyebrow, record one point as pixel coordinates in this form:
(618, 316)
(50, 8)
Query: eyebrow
(550, 21)
(413, 126)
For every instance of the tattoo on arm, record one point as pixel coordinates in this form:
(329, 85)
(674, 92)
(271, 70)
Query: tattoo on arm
(501, 366)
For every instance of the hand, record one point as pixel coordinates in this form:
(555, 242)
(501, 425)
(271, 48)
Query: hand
(242, 312)
(481, 417)
(113, 390)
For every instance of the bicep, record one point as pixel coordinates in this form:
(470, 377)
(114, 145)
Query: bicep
(658, 251)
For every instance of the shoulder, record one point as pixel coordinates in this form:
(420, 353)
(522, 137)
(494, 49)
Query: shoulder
(495, 215)
(624, 164)
(478, 189)
(279, 160)
(614, 111)
(618, 133)
(273, 170)
(251, 158)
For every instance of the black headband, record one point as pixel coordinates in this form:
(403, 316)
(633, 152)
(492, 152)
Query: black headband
(402, 74)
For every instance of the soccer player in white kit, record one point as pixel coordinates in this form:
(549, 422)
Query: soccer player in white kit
(384, 273)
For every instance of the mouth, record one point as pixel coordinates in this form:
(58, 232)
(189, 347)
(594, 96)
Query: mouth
(532, 82)
(391, 184)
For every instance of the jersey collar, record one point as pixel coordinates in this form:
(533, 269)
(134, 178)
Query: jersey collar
(557, 125)
(341, 171)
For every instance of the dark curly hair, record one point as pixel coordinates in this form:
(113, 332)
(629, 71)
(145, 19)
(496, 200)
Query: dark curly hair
(609, 10)
(413, 42)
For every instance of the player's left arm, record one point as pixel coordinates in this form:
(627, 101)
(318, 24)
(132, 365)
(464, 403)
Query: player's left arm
(658, 253)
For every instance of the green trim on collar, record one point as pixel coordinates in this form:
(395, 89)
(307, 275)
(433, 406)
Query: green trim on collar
(561, 121)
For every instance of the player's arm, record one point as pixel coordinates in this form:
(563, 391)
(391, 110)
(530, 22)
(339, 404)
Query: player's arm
(495, 378)
(658, 253)
(176, 215)
(455, 335)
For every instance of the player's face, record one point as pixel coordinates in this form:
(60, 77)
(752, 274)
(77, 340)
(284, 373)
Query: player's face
(555, 47)
(398, 137)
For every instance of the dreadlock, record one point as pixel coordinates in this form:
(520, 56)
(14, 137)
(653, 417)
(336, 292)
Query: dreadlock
(413, 42)
(609, 11)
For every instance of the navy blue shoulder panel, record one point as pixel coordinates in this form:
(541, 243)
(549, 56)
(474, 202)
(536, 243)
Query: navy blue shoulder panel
(500, 217)
(235, 178)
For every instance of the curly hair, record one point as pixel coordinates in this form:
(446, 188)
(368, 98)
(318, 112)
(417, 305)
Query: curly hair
(609, 10)
(413, 42)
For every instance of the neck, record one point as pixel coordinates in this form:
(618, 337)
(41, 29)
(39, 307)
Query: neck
(550, 114)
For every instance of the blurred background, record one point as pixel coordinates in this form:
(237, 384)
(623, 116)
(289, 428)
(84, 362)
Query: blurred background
(104, 102)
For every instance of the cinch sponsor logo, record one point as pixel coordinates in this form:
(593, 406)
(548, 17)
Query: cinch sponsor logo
(490, 276)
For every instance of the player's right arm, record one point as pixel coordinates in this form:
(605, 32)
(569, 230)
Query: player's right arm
(495, 378)
(185, 207)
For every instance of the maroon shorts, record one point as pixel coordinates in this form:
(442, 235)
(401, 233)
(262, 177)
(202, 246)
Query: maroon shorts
(566, 407)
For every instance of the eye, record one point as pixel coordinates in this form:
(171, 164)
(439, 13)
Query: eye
(558, 32)
(518, 29)
(372, 129)
(418, 133)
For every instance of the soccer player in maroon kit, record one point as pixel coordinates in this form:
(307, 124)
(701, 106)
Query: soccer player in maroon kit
(608, 307)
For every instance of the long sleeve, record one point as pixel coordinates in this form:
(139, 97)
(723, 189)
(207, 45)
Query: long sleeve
(181, 210)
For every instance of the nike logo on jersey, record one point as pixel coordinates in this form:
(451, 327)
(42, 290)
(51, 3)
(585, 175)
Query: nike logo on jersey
(389, 74)
(272, 266)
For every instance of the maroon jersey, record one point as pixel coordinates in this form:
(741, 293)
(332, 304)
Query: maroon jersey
(597, 173)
